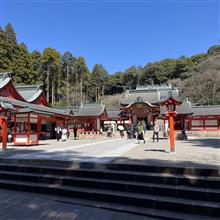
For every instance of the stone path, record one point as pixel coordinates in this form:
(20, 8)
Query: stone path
(100, 151)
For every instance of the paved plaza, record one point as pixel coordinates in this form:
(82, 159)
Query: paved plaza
(193, 152)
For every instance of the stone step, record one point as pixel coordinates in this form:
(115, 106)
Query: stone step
(169, 169)
(195, 193)
(132, 176)
(126, 198)
(192, 171)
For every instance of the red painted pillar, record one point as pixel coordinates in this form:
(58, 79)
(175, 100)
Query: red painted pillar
(4, 134)
(1, 131)
(15, 129)
(28, 130)
(38, 128)
(171, 121)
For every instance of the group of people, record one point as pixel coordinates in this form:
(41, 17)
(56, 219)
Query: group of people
(62, 133)
(139, 131)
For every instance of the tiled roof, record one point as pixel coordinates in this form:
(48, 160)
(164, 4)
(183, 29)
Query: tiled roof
(66, 111)
(33, 107)
(4, 79)
(206, 110)
(7, 106)
(165, 94)
(150, 97)
(74, 108)
(113, 113)
(90, 110)
(151, 94)
(29, 92)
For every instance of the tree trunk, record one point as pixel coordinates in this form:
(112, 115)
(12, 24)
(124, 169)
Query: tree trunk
(213, 93)
(81, 79)
(67, 85)
(53, 91)
(48, 85)
(103, 89)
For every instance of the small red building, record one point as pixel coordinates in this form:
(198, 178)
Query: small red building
(26, 113)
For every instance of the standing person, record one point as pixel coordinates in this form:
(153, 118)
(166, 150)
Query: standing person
(58, 130)
(132, 131)
(113, 130)
(75, 132)
(140, 132)
(121, 130)
(156, 131)
(64, 134)
(166, 125)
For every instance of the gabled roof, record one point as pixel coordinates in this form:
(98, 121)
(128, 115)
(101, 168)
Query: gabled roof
(138, 102)
(4, 79)
(29, 107)
(171, 99)
(149, 97)
(206, 110)
(90, 110)
(29, 92)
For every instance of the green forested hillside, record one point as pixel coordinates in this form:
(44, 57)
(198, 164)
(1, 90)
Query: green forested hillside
(67, 80)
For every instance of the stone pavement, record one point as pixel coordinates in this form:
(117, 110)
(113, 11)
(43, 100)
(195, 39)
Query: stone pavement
(30, 206)
(100, 151)
(195, 152)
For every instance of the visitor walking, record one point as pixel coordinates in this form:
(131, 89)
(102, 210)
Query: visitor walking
(156, 131)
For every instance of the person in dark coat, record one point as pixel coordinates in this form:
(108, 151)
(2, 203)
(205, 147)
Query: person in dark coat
(58, 131)
(75, 128)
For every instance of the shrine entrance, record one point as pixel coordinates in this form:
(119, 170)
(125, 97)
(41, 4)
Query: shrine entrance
(141, 111)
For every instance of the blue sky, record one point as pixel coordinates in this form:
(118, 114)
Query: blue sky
(116, 34)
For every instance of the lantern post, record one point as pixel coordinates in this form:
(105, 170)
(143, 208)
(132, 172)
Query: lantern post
(171, 104)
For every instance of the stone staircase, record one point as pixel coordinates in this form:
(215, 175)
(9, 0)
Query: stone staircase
(153, 191)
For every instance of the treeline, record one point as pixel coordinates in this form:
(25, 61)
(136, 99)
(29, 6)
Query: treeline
(67, 80)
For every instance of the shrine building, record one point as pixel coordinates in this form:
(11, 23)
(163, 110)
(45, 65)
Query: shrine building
(26, 114)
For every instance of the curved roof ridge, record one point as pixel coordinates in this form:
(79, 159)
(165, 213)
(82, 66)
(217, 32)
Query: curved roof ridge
(5, 79)
(20, 86)
(29, 92)
(144, 102)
